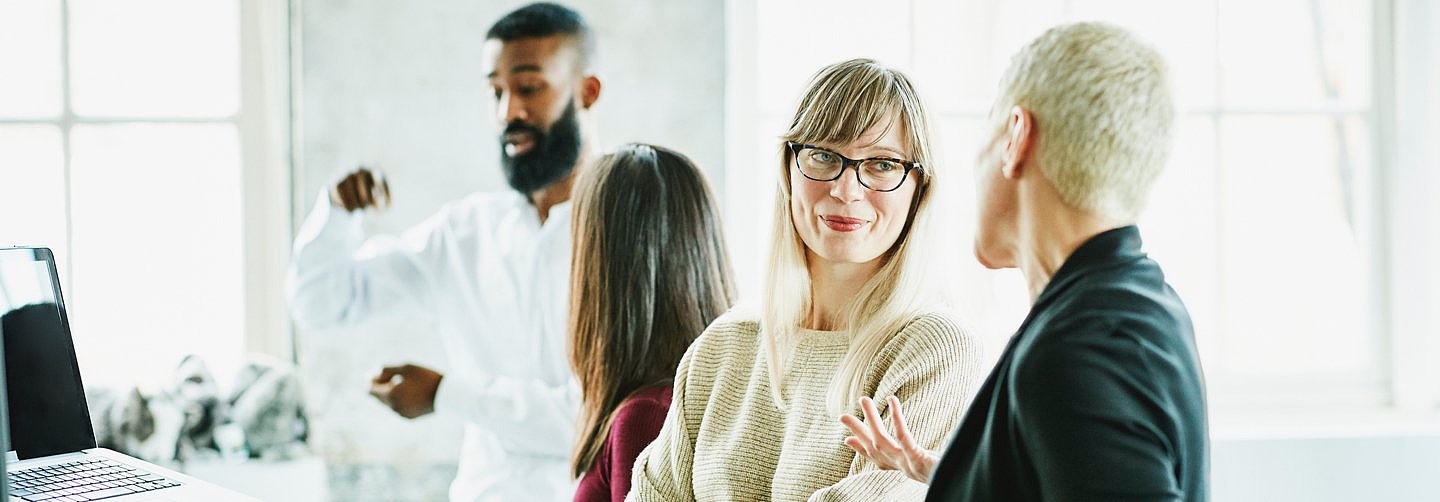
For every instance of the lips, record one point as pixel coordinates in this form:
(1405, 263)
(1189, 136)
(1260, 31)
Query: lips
(519, 142)
(843, 223)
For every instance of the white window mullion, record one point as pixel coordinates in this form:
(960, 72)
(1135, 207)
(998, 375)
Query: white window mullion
(265, 173)
(67, 120)
(1408, 193)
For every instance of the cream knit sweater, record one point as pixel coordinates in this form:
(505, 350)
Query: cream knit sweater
(724, 439)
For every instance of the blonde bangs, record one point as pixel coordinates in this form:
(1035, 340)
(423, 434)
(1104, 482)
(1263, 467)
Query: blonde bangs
(846, 99)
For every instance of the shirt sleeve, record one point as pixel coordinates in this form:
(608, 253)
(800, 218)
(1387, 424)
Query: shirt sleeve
(636, 425)
(662, 471)
(1087, 411)
(933, 368)
(530, 414)
(337, 278)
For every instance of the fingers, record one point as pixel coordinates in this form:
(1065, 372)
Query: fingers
(860, 432)
(859, 446)
(361, 189)
(381, 193)
(879, 435)
(382, 386)
(382, 392)
(387, 374)
(346, 192)
(901, 432)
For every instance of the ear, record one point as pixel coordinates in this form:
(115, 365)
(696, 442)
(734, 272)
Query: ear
(1017, 146)
(589, 91)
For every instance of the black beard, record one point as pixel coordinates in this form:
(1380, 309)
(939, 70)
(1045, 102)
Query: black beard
(552, 159)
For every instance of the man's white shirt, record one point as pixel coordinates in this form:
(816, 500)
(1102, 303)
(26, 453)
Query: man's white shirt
(495, 281)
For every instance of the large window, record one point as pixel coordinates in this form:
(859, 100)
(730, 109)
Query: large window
(124, 127)
(1267, 219)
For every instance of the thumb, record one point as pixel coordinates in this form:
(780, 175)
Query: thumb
(387, 374)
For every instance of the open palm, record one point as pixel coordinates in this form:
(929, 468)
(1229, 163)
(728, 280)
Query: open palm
(898, 452)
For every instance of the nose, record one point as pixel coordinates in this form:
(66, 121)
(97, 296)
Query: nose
(511, 109)
(847, 188)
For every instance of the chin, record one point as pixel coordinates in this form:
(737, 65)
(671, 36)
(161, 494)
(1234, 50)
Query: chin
(989, 258)
(845, 254)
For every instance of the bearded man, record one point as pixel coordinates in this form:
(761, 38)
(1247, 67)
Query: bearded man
(492, 269)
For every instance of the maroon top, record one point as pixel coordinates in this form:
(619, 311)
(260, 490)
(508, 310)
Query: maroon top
(636, 424)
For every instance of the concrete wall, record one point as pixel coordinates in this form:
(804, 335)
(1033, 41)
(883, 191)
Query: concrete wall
(399, 85)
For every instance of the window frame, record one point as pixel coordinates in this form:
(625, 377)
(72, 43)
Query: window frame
(262, 123)
(1404, 54)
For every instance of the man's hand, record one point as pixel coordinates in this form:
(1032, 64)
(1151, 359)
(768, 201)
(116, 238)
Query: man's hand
(893, 453)
(360, 189)
(409, 389)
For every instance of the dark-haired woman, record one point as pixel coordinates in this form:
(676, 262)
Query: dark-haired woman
(649, 273)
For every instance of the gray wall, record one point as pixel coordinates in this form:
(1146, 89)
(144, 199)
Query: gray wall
(398, 85)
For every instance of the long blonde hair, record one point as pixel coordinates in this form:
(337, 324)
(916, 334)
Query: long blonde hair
(842, 101)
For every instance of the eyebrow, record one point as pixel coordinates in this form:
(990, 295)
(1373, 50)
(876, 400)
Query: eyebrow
(520, 68)
(894, 153)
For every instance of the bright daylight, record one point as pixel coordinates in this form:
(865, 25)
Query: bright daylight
(720, 250)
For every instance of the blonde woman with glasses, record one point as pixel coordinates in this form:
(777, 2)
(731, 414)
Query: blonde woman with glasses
(848, 311)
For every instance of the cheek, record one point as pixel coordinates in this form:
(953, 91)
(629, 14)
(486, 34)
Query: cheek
(803, 196)
(895, 210)
(547, 107)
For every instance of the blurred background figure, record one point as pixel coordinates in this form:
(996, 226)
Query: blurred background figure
(491, 269)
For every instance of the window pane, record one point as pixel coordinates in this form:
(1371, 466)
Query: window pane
(962, 47)
(157, 248)
(1180, 230)
(32, 189)
(30, 58)
(1294, 270)
(1183, 32)
(751, 204)
(155, 58)
(798, 38)
(957, 142)
(994, 302)
(1295, 53)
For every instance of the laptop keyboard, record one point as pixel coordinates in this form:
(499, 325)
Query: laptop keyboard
(79, 481)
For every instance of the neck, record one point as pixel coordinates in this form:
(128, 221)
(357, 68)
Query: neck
(555, 193)
(832, 287)
(1048, 234)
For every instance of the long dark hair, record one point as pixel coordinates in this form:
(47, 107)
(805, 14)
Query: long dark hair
(649, 273)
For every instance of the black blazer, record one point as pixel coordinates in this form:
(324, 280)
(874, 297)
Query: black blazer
(1097, 397)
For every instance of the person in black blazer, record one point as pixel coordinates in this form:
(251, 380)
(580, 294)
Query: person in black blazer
(1099, 395)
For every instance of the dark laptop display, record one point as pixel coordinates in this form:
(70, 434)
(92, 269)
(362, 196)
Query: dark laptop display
(47, 409)
(4, 434)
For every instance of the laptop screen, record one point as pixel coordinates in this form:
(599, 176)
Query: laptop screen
(4, 434)
(46, 400)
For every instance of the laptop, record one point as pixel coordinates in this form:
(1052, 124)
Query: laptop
(4, 432)
(50, 452)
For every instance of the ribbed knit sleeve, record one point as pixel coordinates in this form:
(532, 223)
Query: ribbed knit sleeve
(933, 367)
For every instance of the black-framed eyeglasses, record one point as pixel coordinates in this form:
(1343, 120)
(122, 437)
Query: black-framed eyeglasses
(881, 174)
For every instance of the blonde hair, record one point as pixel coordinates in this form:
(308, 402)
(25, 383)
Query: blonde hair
(1102, 111)
(842, 101)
